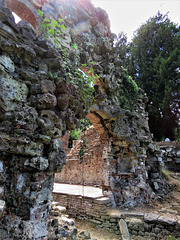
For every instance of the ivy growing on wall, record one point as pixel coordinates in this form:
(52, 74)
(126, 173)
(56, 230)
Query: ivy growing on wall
(70, 68)
(127, 91)
(130, 91)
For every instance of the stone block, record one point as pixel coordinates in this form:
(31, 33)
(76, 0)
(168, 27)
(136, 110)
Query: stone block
(124, 230)
(155, 175)
(177, 160)
(1, 192)
(7, 32)
(167, 219)
(84, 235)
(113, 220)
(1, 167)
(6, 64)
(43, 101)
(156, 185)
(2, 207)
(69, 221)
(150, 217)
(38, 163)
(12, 93)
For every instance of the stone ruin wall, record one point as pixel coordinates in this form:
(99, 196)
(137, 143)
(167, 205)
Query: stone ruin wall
(35, 113)
(170, 153)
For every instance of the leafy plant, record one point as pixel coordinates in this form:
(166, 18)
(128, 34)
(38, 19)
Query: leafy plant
(130, 91)
(74, 135)
(71, 72)
(51, 29)
(171, 238)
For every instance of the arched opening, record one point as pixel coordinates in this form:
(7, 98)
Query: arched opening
(93, 168)
(25, 10)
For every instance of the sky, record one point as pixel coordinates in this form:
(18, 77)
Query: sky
(128, 15)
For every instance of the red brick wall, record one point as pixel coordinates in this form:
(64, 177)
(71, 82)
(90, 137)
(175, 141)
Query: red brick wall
(65, 142)
(89, 172)
(25, 10)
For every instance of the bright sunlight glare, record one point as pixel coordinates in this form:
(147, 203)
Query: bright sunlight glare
(17, 19)
(128, 15)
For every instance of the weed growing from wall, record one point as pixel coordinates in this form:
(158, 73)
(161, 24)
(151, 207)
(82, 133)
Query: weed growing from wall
(172, 238)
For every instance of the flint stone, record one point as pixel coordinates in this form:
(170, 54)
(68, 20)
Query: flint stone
(1, 167)
(34, 229)
(70, 222)
(20, 182)
(43, 67)
(7, 32)
(29, 76)
(50, 124)
(1, 192)
(167, 219)
(45, 86)
(26, 116)
(2, 3)
(149, 217)
(63, 101)
(7, 64)
(55, 222)
(38, 163)
(2, 207)
(21, 146)
(43, 101)
(124, 230)
(28, 149)
(178, 153)
(12, 93)
(27, 29)
(156, 185)
(57, 157)
(60, 209)
(169, 159)
(155, 175)
(84, 235)
(177, 160)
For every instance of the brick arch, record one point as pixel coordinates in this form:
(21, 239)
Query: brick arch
(25, 9)
(98, 124)
(93, 170)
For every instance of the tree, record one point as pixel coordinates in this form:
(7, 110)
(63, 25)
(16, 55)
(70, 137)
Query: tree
(122, 48)
(154, 64)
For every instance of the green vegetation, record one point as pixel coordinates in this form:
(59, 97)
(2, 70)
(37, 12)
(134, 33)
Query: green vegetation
(75, 134)
(165, 174)
(153, 61)
(122, 49)
(128, 91)
(172, 238)
(70, 69)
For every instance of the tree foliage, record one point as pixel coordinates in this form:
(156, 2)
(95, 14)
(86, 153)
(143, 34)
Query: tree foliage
(122, 48)
(155, 65)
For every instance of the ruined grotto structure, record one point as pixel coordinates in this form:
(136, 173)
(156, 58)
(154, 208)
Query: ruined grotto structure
(39, 102)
